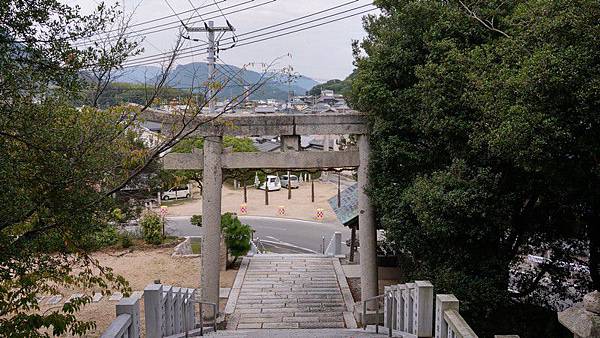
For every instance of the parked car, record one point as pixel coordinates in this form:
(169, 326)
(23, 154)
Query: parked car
(177, 192)
(293, 181)
(273, 182)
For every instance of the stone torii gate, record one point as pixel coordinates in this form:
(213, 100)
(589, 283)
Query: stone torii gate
(212, 160)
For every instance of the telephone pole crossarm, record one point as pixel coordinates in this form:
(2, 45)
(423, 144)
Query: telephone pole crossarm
(211, 29)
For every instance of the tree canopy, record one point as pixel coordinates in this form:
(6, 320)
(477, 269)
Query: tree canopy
(486, 134)
(338, 86)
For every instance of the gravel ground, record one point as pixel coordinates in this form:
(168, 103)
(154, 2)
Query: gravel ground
(299, 207)
(141, 267)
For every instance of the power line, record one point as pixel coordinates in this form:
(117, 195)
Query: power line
(272, 26)
(183, 51)
(158, 57)
(174, 12)
(175, 25)
(162, 18)
(200, 15)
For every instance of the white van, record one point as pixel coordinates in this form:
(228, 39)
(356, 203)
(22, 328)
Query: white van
(273, 182)
(293, 181)
(176, 193)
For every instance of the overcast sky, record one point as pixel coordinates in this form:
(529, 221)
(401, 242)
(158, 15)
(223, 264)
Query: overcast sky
(322, 53)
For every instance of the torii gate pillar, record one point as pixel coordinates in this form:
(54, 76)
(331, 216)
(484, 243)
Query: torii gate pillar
(366, 226)
(211, 219)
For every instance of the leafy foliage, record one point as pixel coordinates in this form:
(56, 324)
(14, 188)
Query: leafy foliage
(196, 220)
(238, 144)
(237, 235)
(485, 140)
(151, 224)
(343, 87)
(58, 162)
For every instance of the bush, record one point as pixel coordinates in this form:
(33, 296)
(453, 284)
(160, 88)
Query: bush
(196, 220)
(151, 228)
(126, 240)
(237, 235)
(105, 237)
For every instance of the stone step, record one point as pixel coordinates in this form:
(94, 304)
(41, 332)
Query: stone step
(297, 333)
(289, 292)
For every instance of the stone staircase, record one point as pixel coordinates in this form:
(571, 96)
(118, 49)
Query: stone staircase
(313, 333)
(290, 292)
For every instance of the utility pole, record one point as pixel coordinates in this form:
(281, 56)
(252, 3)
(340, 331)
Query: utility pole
(211, 29)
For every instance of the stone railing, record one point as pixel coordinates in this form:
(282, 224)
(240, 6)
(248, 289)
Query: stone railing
(168, 310)
(408, 308)
(448, 321)
(127, 323)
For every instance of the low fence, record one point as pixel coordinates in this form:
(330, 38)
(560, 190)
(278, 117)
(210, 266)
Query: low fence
(127, 323)
(168, 310)
(408, 308)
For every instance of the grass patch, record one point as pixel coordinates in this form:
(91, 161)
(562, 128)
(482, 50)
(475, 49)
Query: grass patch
(196, 247)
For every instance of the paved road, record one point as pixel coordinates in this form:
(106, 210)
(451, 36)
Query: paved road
(275, 232)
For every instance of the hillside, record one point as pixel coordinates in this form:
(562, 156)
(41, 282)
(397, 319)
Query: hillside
(338, 86)
(188, 75)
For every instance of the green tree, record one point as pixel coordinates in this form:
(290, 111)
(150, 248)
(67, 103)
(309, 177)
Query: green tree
(485, 131)
(343, 87)
(63, 158)
(237, 235)
(237, 144)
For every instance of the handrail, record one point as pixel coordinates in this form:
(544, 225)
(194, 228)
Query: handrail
(215, 309)
(364, 313)
(118, 327)
(458, 325)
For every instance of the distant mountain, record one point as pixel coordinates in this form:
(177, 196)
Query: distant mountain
(138, 75)
(194, 74)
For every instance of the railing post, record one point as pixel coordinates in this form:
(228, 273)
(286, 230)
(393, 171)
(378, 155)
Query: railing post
(191, 312)
(177, 305)
(387, 307)
(394, 291)
(399, 307)
(168, 296)
(423, 309)
(337, 243)
(442, 304)
(131, 306)
(407, 296)
(153, 310)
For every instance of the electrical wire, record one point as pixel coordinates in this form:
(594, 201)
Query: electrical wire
(173, 25)
(183, 51)
(250, 40)
(199, 15)
(173, 10)
(165, 17)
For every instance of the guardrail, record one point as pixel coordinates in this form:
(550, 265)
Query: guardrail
(168, 310)
(127, 323)
(448, 321)
(408, 309)
(364, 311)
(215, 313)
